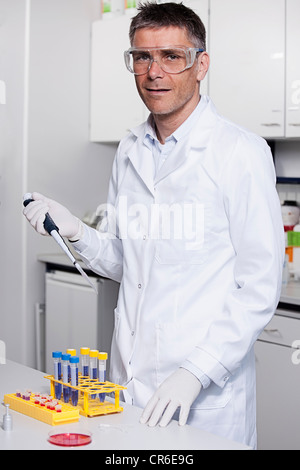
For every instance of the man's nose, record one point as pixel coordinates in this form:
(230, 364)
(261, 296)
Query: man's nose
(155, 69)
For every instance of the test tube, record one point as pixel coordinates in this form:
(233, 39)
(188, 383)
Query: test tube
(85, 361)
(56, 355)
(74, 361)
(65, 373)
(72, 352)
(102, 357)
(93, 366)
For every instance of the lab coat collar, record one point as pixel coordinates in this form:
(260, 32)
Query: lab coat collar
(201, 134)
(141, 156)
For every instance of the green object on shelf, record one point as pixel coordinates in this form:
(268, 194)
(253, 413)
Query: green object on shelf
(293, 238)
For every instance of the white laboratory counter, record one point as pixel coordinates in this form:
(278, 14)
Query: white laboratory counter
(60, 259)
(115, 432)
(290, 293)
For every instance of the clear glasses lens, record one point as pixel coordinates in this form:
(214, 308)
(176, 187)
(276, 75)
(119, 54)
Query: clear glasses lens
(173, 60)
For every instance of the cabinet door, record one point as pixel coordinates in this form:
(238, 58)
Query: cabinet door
(202, 9)
(293, 68)
(246, 80)
(278, 385)
(115, 104)
(71, 314)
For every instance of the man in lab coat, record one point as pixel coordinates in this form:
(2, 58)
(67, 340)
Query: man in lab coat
(194, 235)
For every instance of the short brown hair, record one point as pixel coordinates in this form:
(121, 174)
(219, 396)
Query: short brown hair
(153, 15)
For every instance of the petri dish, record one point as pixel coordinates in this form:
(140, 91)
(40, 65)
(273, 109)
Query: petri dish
(70, 438)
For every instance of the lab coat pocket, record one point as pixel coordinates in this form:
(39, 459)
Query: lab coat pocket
(122, 336)
(180, 252)
(120, 349)
(175, 342)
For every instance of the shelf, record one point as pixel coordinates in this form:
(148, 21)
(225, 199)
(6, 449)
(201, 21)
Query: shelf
(287, 180)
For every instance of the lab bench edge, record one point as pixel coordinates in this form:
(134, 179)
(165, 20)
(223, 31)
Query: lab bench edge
(120, 431)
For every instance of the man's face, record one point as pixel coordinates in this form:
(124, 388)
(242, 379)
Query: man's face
(164, 93)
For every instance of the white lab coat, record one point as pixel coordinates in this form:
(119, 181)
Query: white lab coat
(202, 301)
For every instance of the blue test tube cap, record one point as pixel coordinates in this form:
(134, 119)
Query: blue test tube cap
(74, 360)
(56, 354)
(65, 357)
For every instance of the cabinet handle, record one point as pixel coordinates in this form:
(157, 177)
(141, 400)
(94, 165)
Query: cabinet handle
(294, 124)
(271, 124)
(271, 330)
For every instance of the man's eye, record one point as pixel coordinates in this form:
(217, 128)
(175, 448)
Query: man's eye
(141, 58)
(173, 57)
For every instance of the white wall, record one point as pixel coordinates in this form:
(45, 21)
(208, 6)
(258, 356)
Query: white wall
(44, 145)
(12, 34)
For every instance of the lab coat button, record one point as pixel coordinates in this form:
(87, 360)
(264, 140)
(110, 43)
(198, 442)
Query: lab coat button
(140, 286)
(225, 378)
(132, 333)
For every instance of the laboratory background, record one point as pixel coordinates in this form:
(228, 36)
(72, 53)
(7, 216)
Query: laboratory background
(66, 100)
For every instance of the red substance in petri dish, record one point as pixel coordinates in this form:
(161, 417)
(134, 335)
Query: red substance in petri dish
(70, 439)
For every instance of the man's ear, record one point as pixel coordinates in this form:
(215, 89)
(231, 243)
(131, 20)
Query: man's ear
(203, 65)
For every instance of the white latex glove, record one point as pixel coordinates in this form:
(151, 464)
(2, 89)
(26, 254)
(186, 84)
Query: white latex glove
(179, 390)
(35, 213)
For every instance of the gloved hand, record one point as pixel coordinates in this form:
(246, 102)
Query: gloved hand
(35, 213)
(179, 390)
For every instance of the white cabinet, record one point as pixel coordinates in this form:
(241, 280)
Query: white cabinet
(293, 68)
(278, 385)
(201, 7)
(247, 72)
(115, 103)
(76, 316)
(254, 76)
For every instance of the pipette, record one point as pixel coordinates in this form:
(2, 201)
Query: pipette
(53, 230)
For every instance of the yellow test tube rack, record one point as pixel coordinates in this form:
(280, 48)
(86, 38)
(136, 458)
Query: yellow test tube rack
(89, 390)
(68, 413)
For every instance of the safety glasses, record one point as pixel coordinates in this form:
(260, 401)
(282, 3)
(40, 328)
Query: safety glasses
(171, 59)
